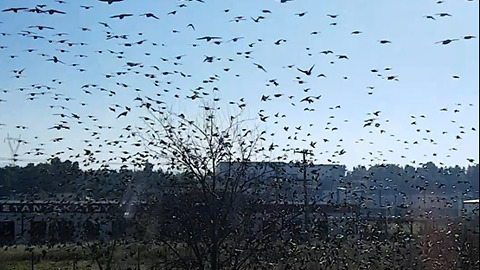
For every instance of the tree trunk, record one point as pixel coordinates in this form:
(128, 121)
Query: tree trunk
(213, 237)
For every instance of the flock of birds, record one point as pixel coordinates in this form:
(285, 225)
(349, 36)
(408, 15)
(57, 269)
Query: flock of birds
(92, 89)
(134, 84)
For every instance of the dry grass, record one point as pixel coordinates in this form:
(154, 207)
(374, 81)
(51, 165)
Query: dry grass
(66, 256)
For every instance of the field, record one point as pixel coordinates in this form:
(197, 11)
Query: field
(436, 248)
(338, 254)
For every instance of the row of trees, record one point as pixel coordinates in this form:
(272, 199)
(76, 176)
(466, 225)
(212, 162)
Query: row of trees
(48, 179)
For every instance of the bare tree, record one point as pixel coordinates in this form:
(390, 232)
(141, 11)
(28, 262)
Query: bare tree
(217, 218)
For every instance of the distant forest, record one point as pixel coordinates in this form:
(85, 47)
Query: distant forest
(47, 180)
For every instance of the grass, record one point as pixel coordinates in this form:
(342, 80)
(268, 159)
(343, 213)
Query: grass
(66, 256)
(348, 252)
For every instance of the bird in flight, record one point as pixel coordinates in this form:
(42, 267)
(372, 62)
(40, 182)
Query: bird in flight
(53, 11)
(443, 14)
(121, 16)
(208, 38)
(104, 24)
(122, 114)
(260, 66)
(149, 15)
(307, 72)
(110, 1)
(55, 60)
(446, 41)
(15, 10)
(41, 27)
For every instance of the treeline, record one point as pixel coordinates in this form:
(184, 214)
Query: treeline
(426, 178)
(47, 180)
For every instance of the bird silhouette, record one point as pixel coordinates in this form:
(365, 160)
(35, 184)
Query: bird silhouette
(307, 72)
(150, 15)
(446, 41)
(260, 67)
(110, 1)
(15, 10)
(121, 16)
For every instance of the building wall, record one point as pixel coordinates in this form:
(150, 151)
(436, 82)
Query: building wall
(53, 222)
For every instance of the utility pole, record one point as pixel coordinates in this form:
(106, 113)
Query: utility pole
(304, 153)
(14, 144)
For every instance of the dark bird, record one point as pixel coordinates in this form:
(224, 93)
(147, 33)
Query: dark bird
(15, 10)
(55, 60)
(443, 14)
(110, 1)
(384, 41)
(54, 11)
(356, 32)
(332, 16)
(260, 67)
(446, 41)
(264, 98)
(122, 114)
(149, 15)
(307, 72)
(104, 24)
(191, 25)
(209, 59)
(238, 19)
(208, 38)
(257, 19)
(41, 27)
(121, 16)
(236, 39)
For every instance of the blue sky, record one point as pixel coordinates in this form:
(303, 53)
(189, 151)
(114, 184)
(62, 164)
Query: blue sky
(424, 70)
